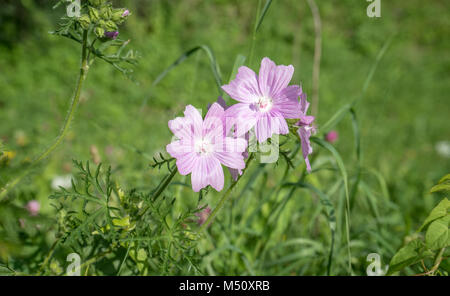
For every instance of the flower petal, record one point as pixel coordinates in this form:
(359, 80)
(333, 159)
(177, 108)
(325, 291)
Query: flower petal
(180, 128)
(179, 148)
(195, 120)
(186, 163)
(273, 79)
(304, 103)
(213, 125)
(269, 124)
(207, 171)
(242, 116)
(244, 88)
(288, 108)
(215, 173)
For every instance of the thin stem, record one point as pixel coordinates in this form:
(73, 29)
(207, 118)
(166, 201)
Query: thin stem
(73, 106)
(317, 55)
(224, 198)
(437, 262)
(49, 256)
(161, 187)
(252, 45)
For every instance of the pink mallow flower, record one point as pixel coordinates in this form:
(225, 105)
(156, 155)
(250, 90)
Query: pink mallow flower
(202, 146)
(332, 137)
(305, 129)
(33, 207)
(265, 101)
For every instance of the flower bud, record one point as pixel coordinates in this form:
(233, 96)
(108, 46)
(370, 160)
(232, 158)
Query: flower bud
(332, 137)
(96, 2)
(99, 32)
(94, 14)
(110, 26)
(106, 12)
(119, 15)
(112, 35)
(84, 21)
(33, 207)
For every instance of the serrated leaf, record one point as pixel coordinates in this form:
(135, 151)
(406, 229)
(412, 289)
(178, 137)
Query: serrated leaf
(439, 211)
(437, 233)
(406, 256)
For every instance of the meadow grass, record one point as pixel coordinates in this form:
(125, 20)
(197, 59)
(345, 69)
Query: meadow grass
(270, 226)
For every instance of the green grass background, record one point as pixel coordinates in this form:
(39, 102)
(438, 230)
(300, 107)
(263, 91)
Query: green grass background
(402, 116)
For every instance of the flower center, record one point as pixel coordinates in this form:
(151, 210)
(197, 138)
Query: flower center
(264, 104)
(203, 147)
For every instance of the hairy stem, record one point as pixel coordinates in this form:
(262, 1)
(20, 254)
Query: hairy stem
(65, 128)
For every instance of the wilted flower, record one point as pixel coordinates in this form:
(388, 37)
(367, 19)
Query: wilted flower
(305, 129)
(33, 207)
(265, 100)
(112, 35)
(202, 146)
(331, 137)
(203, 215)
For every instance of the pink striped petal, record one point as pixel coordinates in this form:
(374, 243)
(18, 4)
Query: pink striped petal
(244, 88)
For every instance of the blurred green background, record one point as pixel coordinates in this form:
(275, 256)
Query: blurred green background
(403, 116)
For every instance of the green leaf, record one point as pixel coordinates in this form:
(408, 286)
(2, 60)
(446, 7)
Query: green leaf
(445, 178)
(406, 256)
(439, 211)
(124, 222)
(212, 59)
(440, 187)
(263, 14)
(437, 233)
(4, 270)
(344, 174)
(141, 255)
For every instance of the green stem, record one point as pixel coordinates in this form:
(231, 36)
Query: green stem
(73, 106)
(161, 188)
(252, 45)
(437, 261)
(224, 198)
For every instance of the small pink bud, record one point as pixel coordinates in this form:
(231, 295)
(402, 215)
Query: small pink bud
(203, 215)
(332, 137)
(112, 35)
(33, 207)
(125, 13)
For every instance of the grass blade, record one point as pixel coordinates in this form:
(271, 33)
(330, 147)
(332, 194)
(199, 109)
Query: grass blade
(329, 208)
(344, 174)
(262, 15)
